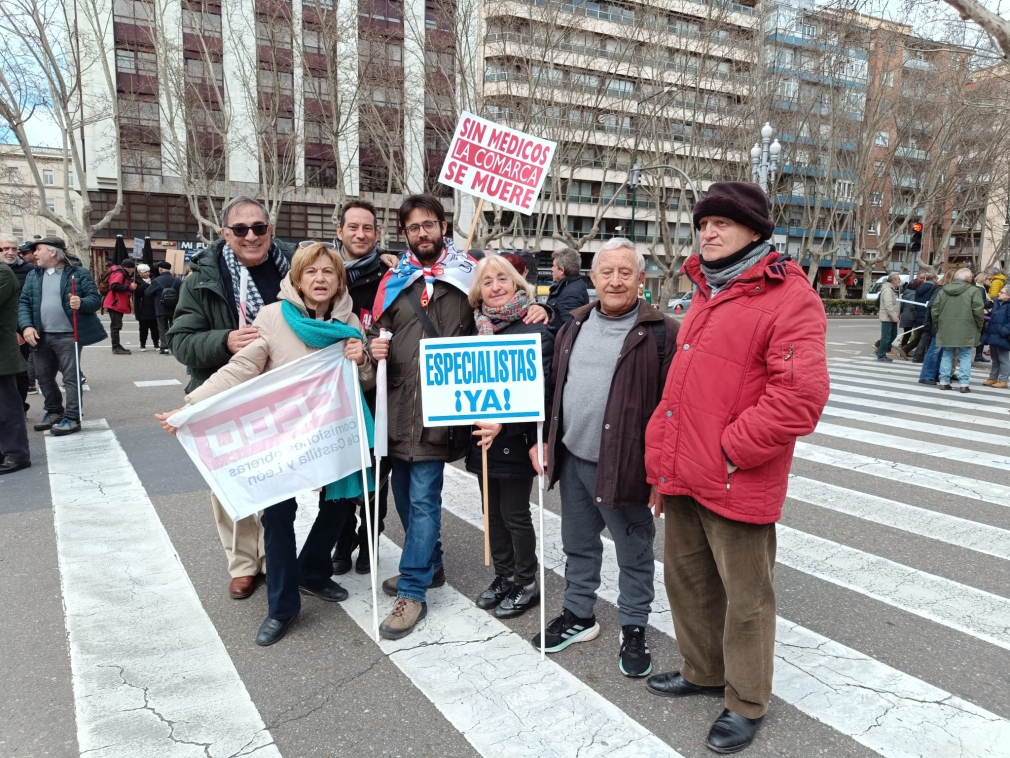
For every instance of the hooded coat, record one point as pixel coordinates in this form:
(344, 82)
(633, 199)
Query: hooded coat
(958, 315)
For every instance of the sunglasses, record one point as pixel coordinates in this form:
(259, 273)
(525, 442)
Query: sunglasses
(310, 243)
(241, 230)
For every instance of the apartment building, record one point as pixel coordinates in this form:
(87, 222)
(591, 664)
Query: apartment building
(19, 197)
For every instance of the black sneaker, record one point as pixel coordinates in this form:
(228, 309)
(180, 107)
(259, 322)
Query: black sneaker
(331, 592)
(494, 594)
(635, 660)
(119, 350)
(164, 351)
(566, 630)
(341, 563)
(33, 388)
(519, 600)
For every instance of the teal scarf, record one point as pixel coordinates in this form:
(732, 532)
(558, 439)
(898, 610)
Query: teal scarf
(320, 334)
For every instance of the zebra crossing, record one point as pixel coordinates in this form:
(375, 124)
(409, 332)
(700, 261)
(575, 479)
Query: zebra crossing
(890, 456)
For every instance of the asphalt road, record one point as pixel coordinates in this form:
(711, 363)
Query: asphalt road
(892, 592)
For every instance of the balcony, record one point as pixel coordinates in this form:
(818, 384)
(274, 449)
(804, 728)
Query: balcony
(912, 153)
(918, 65)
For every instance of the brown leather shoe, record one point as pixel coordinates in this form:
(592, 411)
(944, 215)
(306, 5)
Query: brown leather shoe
(242, 587)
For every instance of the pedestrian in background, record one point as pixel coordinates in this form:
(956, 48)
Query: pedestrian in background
(144, 308)
(164, 292)
(924, 335)
(46, 319)
(568, 291)
(205, 334)
(906, 319)
(312, 309)
(997, 335)
(117, 301)
(610, 363)
(749, 378)
(14, 452)
(958, 315)
(9, 254)
(501, 298)
(996, 280)
(888, 312)
(931, 351)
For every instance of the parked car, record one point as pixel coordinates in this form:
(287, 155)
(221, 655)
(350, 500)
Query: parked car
(680, 303)
(874, 292)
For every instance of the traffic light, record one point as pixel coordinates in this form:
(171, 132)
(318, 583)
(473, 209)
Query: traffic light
(916, 243)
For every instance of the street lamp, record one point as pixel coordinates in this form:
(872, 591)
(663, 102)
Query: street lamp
(764, 158)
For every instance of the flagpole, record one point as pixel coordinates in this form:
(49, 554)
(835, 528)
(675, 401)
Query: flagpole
(243, 294)
(381, 439)
(543, 573)
(363, 447)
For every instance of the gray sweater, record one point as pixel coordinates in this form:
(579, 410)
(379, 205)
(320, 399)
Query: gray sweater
(590, 371)
(54, 318)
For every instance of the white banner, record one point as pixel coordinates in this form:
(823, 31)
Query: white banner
(286, 431)
(494, 379)
(501, 165)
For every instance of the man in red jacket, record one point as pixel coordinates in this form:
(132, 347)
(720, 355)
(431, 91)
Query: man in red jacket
(749, 377)
(117, 301)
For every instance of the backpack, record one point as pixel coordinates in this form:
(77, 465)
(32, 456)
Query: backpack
(169, 298)
(103, 281)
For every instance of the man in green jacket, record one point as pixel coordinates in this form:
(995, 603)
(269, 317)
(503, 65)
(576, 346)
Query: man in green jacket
(958, 320)
(14, 453)
(205, 334)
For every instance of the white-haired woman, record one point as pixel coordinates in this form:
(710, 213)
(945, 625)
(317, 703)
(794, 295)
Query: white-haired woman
(144, 308)
(501, 298)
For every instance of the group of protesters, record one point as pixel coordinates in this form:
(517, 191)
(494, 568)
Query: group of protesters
(949, 322)
(645, 416)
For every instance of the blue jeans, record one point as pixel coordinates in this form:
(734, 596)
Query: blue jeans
(417, 491)
(286, 569)
(931, 362)
(964, 354)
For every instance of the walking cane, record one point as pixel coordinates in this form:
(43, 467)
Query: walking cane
(363, 447)
(77, 355)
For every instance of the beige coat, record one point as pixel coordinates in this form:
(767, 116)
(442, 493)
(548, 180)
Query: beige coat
(888, 308)
(276, 345)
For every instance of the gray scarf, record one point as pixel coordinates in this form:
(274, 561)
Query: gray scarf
(717, 279)
(353, 267)
(254, 301)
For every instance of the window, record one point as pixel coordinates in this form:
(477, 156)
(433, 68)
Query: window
(877, 199)
(809, 31)
(136, 62)
(18, 234)
(883, 139)
(873, 228)
(890, 49)
(70, 178)
(47, 176)
(887, 79)
(879, 169)
(14, 176)
(15, 208)
(843, 190)
(51, 204)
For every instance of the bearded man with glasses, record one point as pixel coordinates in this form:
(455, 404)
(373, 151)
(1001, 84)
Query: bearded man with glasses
(206, 333)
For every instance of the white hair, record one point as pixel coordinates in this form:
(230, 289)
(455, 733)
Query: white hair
(962, 275)
(892, 277)
(619, 243)
(142, 267)
(9, 238)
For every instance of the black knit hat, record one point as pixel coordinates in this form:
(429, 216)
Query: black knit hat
(164, 265)
(742, 202)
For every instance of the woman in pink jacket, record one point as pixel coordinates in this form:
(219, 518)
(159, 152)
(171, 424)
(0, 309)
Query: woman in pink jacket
(748, 378)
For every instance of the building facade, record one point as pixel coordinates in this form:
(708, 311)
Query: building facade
(20, 215)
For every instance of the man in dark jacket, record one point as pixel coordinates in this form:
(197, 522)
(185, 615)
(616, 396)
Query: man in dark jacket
(358, 240)
(9, 254)
(45, 317)
(925, 333)
(118, 299)
(568, 291)
(205, 334)
(610, 363)
(164, 310)
(14, 453)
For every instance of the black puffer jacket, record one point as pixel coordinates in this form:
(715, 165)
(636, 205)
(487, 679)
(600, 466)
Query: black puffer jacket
(509, 455)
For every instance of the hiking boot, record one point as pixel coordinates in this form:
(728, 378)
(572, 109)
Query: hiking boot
(988, 382)
(566, 630)
(402, 619)
(1000, 385)
(120, 350)
(64, 427)
(494, 594)
(48, 422)
(519, 600)
(635, 658)
(437, 580)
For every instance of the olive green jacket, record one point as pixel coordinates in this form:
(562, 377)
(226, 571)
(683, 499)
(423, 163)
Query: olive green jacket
(957, 315)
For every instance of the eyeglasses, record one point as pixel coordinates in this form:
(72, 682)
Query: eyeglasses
(241, 230)
(428, 226)
(310, 243)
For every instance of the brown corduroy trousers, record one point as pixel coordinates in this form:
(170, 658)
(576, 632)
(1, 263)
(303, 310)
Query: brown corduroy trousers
(720, 580)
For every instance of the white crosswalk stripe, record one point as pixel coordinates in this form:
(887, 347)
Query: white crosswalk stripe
(489, 683)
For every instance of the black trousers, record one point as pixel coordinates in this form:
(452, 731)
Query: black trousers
(115, 326)
(13, 429)
(148, 325)
(312, 567)
(513, 540)
(355, 532)
(22, 378)
(164, 324)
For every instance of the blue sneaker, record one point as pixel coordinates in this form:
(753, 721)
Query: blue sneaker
(48, 421)
(65, 426)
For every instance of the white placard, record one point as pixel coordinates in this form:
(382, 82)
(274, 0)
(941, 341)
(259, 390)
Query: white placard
(494, 379)
(496, 163)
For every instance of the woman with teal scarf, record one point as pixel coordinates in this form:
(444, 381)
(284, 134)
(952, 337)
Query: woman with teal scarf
(313, 311)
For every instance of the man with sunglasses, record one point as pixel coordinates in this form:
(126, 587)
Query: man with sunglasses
(9, 254)
(206, 333)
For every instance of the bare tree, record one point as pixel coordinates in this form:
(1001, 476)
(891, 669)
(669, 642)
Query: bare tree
(44, 55)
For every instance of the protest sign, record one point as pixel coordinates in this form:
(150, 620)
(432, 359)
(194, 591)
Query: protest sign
(291, 429)
(494, 379)
(497, 164)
